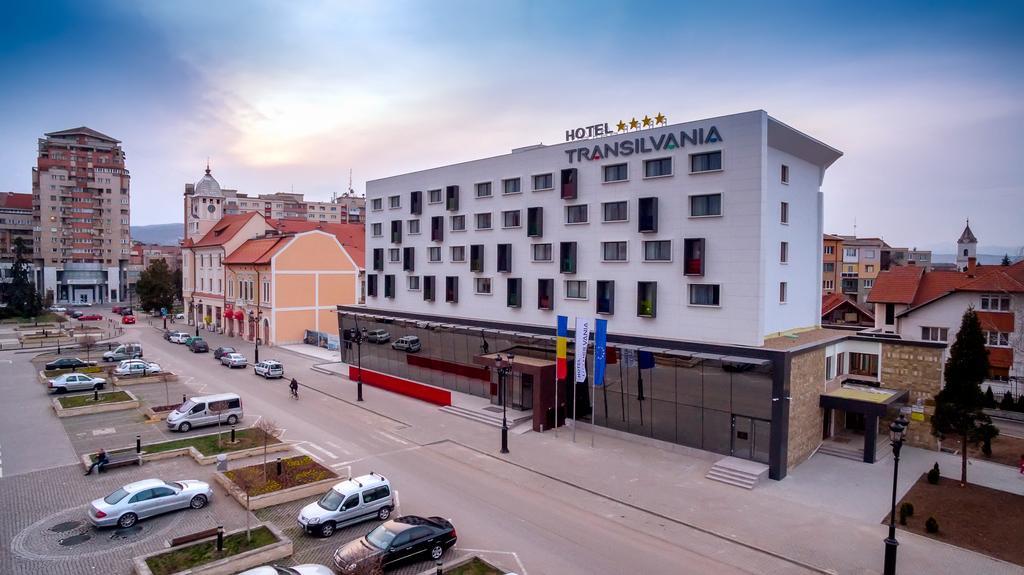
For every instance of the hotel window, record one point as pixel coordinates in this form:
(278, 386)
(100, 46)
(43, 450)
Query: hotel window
(614, 251)
(693, 256)
(514, 292)
(995, 302)
(434, 254)
(389, 286)
(394, 255)
(708, 162)
(784, 213)
(413, 227)
(705, 294)
(647, 299)
(785, 174)
(437, 228)
(658, 167)
(396, 231)
(451, 289)
(534, 222)
(458, 254)
(483, 221)
(647, 218)
(658, 251)
(615, 211)
(505, 258)
(414, 283)
(828, 285)
(575, 289)
(483, 190)
(428, 288)
(510, 186)
(705, 205)
(482, 286)
(606, 297)
(378, 259)
(394, 202)
(576, 214)
(616, 173)
(434, 197)
(543, 182)
(451, 198)
(934, 333)
(567, 257)
(476, 258)
(784, 252)
(541, 252)
(569, 179)
(458, 223)
(377, 204)
(782, 292)
(415, 203)
(408, 259)
(371, 285)
(545, 293)
(510, 219)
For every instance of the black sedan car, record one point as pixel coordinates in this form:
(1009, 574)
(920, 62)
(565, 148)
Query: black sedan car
(222, 351)
(198, 346)
(68, 363)
(405, 539)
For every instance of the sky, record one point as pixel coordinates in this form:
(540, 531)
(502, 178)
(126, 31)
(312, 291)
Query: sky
(925, 99)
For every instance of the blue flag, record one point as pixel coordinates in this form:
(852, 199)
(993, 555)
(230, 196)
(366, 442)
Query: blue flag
(600, 348)
(645, 359)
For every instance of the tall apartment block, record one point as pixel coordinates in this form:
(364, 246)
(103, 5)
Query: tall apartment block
(347, 208)
(81, 216)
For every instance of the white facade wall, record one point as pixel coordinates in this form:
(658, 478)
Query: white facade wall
(742, 249)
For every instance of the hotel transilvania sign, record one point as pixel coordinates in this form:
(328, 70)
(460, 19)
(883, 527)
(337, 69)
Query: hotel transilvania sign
(641, 145)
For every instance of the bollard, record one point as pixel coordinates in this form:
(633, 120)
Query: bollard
(138, 444)
(279, 466)
(438, 564)
(220, 538)
(95, 394)
(232, 434)
(183, 398)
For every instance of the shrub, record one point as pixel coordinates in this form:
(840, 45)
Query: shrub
(1020, 403)
(931, 526)
(990, 398)
(906, 510)
(1007, 403)
(933, 474)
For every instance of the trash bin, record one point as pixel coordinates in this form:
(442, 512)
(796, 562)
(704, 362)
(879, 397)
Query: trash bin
(222, 462)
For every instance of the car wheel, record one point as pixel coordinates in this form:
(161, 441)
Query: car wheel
(62, 390)
(232, 420)
(127, 520)
(327, 529)
(198, 502)
(185, 427)
(384, 513)
(436, 552)
(98, 386)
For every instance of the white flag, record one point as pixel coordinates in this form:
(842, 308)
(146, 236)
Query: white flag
(582, 341)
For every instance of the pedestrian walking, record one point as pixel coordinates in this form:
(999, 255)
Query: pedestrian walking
(101, 461)
(294, 386)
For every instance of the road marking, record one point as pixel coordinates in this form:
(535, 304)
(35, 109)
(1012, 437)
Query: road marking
(522, 568)
(307, 452)
(318, 448)
(104, 431)
(339, 448)
(403, 450)
(393, 438)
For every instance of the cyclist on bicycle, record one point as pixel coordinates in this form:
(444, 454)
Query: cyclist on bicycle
(294, 386)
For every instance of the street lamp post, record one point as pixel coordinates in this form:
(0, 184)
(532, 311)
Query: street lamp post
(504, 372)
(195, 316)
(258, 337)
(359, 336)
(897, 433)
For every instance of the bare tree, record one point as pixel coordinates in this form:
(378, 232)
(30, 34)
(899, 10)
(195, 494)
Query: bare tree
(88, 343)
(267, 429)
(246, 482)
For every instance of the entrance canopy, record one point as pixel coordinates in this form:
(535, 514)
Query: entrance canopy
(864, 399)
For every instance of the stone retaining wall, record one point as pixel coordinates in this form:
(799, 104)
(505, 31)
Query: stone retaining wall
(99, 408)
(276, 497)
(229, 565)
(122, 381)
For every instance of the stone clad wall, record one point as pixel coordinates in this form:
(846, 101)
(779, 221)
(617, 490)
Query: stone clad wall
(917, 369)
(806, 384)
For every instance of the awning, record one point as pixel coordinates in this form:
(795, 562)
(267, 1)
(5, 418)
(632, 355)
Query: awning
(863, 399)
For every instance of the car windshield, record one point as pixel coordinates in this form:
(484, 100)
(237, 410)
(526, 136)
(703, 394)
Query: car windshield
(176, 485)
(115, 496)
(187, 406)
(331, 500)
(381, 537)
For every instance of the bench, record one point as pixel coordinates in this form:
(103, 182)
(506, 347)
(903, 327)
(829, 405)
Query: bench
(193, 537)
(122, 460)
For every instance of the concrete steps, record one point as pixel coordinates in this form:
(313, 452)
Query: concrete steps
(737, 472)
(492, 419)
(845, 453)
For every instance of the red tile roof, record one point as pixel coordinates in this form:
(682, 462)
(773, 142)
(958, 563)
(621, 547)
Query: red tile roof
(913, 286)
(897, 285)
(936, 284)
(15, 201)
(351, 236)
(258, 251)
(832, 301)
(225, 229)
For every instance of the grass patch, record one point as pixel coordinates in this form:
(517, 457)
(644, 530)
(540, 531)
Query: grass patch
(56, 372)
(474, 567)
(207, 444)
(296, 471)
(48, 317)
(190, 556)
(70, 401)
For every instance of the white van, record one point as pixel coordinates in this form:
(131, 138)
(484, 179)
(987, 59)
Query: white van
(349, 502)
(206, 410)
(123, 352)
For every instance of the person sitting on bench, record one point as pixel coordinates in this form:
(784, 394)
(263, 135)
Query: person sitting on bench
(100, 463)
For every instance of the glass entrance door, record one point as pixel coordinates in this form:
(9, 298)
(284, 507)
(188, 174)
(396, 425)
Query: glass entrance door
(742, 436)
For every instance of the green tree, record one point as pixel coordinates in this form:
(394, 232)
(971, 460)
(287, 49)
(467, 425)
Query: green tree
(1006, 259)
(958, 407)
(177, 285)
(155, 287)
(22, 296)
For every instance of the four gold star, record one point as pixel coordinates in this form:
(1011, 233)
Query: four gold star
(621, 126)
(660, 119)
(647, 121)
(633, 124)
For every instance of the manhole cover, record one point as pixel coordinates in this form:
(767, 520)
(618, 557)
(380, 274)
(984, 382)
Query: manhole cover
(65, 526)
(75, 539)
(126, 533)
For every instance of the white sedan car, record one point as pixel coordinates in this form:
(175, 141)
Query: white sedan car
(76, 382)
(178, 337)
(307, 569)
(137, 367)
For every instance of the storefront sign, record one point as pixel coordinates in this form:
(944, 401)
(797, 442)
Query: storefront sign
(645, 145)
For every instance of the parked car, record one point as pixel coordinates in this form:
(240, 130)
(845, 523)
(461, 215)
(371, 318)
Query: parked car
(77, 314)
(378, 336)
(147, 498)
(137, 367)
(348, 502)
(127, 311)
(116, 309)
(409, 343)
(68, 363)
(90, 317)
(58, 309)
(270, 368)
(178, 337)
(304, 569)
(167, 334)
(233, 360)
(206, 410)
(123, 352)
(179, 316)
(188, 340)
(198, 345)
(128, 319)
(75, 382)
(397, 541)
(220, 351)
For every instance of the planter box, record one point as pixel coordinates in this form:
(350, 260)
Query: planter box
(101, 408)
(229, 565)
(195, 454)
(154, 415)
(276, 497)
(121, 381)
(459, 563)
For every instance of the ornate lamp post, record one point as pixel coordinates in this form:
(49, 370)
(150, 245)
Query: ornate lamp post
(195, 316)
(504, 373)
(897, 433)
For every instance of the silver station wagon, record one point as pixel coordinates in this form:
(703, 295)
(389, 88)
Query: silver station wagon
(348, 502)
(147, 498)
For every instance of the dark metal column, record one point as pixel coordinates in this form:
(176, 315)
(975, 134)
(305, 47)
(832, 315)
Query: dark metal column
(870, 437)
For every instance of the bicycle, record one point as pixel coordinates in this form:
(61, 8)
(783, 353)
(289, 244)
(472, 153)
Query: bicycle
(295, 393)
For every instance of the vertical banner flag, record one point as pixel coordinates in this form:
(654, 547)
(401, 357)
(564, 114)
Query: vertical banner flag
(582, 342)
(629, 357)
(645, 360)
(600, 346)
(560, 347)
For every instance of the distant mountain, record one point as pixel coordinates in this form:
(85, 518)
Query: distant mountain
(983, 259)
(163, 234)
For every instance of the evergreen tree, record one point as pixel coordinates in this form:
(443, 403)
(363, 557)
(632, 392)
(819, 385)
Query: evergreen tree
(1007, 402)
(958, 407)
(990, 398)
(21, 295)
(177, 285)
(1006, 259)
(155, 287)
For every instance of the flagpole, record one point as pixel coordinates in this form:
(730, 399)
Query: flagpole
(593, 398)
